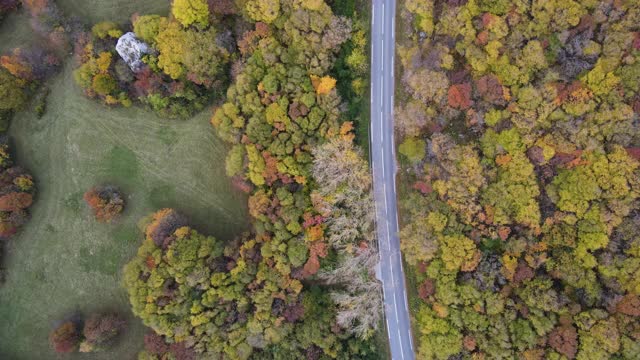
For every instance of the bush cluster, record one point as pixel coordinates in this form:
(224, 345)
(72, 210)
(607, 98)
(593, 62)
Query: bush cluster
(185, 66)
(106, 202)
(95, 333)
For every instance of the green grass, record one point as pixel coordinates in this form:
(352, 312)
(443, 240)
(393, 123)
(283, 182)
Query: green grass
(15, 31)
(93, 11)
(63, 261)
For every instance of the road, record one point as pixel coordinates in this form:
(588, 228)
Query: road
(383, 163)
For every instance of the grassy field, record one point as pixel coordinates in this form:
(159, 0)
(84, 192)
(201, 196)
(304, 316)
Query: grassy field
(93, 11)
(15, 31)
(64, 262)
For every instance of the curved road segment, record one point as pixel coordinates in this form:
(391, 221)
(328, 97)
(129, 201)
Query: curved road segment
(384, 183)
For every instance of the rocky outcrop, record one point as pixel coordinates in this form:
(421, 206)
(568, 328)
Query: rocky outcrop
(131, 49)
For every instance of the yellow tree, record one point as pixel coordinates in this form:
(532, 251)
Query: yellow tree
(189, 12)
(263, 10)
(170, 44)
(323, 85)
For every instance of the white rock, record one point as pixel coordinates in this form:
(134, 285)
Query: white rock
(131, 49)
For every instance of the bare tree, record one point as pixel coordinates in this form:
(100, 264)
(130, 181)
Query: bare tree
(345, 192)
(345, 187)
(360, 301)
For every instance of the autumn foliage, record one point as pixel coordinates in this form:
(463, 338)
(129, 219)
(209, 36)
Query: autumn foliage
(100, 330)
(520, 179)
(301, 284)
(36, 7)
(323, 85)
(163, 225)
(95, 333)
(6, 6)
(16, 193)
(65, 338)
(564, 339)
(183, 67)
(460, 96)
(15, 201)
(106, 202)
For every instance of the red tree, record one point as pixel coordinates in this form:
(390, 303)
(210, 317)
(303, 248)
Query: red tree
(65, 338)
(36, 7)
(564, 339)
(14, 201)
(490, 89)
(459, 96)
(222, 7)
(180, 351)
(629, 305)
(426, 289)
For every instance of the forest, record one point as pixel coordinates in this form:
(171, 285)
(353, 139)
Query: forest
(517, 125)
(285, 80)
(301, 284)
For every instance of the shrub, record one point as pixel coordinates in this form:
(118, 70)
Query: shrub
(100, 330)
(12, 93)
(106, 29)
(105, 201)
(104, 84)
(65, 338)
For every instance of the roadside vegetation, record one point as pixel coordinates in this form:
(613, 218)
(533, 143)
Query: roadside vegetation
(518, 141)
(351, 68)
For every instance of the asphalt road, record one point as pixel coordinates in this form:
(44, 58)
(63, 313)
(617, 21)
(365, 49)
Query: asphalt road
(384, 179)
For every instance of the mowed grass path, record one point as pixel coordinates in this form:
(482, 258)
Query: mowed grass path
(63, 261)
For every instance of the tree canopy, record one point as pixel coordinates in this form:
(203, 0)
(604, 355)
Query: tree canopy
(301, 284)
(522, 179)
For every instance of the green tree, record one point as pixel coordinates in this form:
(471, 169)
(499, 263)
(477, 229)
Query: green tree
(458, 252)
(235, 160)
(175, 290)
(147, 27)
(514, 194)
(12, 94)
(204, 59)
(263, 10)
(439, 340)
(104, 84)
(414, 149)
(105, 29)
